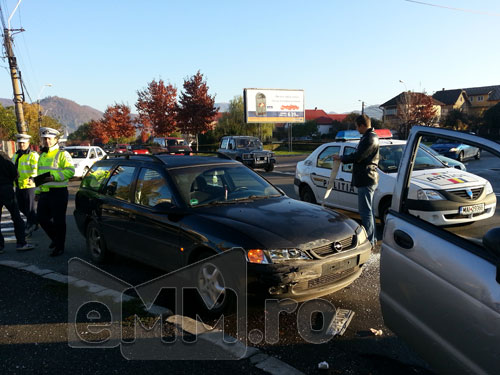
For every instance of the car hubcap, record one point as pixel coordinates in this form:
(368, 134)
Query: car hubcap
(95, 242)
(211, 286)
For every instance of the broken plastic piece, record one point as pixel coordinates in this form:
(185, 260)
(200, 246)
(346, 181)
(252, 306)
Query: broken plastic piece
(376, 332)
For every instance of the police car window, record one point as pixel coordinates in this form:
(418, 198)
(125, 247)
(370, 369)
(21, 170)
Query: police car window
(348, 167)
(459, 196)
(120, 182)
(325, 157)
(96, 177)
(99, 152)
(152, 189)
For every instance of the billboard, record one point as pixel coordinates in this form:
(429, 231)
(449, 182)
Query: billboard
(273, 105)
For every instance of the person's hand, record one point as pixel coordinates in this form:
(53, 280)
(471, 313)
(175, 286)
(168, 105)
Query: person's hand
(336, 157)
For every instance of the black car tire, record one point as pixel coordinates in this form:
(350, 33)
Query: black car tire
(307, 195)
(96, 246)
(210, 282)
(269, 167)
(478, 155)
(461, 156)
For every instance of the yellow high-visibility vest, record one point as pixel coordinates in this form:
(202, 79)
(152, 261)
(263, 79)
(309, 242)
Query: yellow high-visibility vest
(26, 168)
(59, 164)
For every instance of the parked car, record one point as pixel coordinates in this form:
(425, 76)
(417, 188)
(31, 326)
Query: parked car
(171, 145)
(440, 290)
(123, 149)
(438, 194)
(456, 150)
(445, 160)
(247, 150)
(139, 149)
(171, 211)
(84, 157)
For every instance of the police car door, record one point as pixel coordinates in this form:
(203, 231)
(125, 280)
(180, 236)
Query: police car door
(440, 286)
(321, 170)
(344, 192)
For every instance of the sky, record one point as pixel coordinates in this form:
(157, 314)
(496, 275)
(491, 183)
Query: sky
(340, 52)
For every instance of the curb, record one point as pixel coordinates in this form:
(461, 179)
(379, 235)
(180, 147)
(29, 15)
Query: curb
(203, 331)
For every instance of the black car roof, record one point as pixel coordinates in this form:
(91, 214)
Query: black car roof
(175, 161)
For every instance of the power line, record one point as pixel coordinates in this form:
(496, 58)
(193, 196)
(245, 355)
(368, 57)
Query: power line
(457, 9)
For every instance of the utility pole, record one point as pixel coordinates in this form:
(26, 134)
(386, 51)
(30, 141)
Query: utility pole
(15, 75)
(362, 108)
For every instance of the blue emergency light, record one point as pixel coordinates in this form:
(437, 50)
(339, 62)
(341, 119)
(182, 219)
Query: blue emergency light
(347, 135)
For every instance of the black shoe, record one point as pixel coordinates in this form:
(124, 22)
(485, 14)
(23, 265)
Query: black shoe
(52, 245)
(56, 253)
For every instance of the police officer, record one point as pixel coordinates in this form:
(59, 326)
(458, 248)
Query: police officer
(8, 199)
(55, 168)
(26, 162)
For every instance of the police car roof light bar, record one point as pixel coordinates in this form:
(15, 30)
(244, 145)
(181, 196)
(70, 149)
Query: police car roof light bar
(347, 135)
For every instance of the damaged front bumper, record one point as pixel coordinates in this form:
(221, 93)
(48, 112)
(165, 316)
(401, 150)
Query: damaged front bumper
(306, 279)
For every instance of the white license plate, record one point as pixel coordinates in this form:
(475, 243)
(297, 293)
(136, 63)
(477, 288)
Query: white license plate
(260, 161)
(475, 209)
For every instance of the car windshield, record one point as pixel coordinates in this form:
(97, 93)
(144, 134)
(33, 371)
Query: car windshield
(390, 156)
(138, 147)
(221, 184)
(249, 143)
(77, 153)
(175, 142)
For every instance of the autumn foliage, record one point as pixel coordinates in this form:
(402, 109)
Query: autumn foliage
(415, 108)
(195, 111)
(116, 124)
(157, 109)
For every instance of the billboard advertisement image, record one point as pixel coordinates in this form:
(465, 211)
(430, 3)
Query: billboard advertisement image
(273, 105)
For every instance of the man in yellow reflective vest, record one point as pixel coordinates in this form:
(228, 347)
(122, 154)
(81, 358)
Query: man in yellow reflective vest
(55, 168)
(26, 162)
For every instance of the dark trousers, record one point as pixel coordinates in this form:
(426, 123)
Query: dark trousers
(51, 215)
(8, 199)
(26, 202)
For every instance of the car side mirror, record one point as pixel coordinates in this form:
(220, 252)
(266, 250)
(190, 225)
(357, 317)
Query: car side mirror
(491, 241)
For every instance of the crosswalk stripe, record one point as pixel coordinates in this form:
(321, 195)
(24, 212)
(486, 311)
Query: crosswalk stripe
(7, 229)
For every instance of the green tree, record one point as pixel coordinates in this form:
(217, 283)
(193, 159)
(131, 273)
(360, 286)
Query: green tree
(83, 133)
(7, 123)
(492, 117)
(307, 129)
(456, 120)
(232, 122)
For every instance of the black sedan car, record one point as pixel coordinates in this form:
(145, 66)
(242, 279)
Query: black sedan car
(171, 211)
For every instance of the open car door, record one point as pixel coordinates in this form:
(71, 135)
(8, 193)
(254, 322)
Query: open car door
(440, 286)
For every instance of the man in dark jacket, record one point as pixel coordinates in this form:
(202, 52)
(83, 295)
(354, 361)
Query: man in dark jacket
(364, 172)
(8, 174)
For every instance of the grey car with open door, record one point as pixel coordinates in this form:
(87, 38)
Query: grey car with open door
(440, 286)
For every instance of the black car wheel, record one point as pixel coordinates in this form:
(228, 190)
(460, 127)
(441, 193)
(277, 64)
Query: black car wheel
(95, 243)
(270, 167)
(478, 155)
(307, 195)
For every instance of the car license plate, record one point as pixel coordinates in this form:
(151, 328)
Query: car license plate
(337, 266)
(474, 209)
(260, 161)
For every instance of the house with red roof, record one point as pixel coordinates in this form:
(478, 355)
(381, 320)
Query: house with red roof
(324, 120)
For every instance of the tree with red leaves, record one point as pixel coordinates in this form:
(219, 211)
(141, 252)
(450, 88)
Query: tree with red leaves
(195, 111)
(157, 108)
(116, 124)
(415, 108)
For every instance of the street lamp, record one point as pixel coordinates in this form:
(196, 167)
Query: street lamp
(38, 102)
(406, 89)
(362, 106)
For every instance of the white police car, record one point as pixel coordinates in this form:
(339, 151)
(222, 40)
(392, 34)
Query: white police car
(438, 194)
